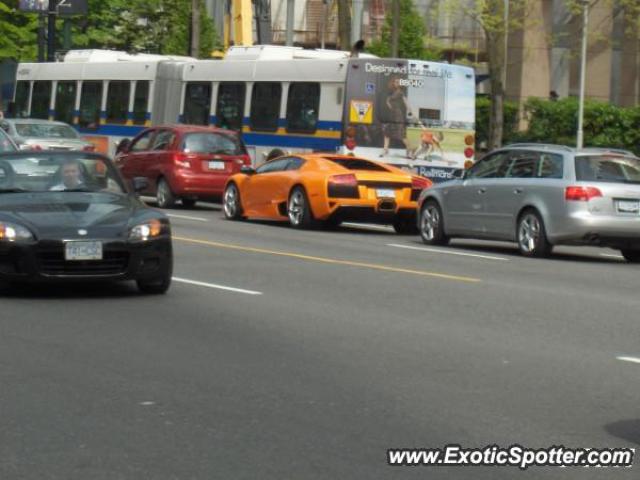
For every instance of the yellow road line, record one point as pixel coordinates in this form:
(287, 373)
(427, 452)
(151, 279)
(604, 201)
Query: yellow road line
(333, 261)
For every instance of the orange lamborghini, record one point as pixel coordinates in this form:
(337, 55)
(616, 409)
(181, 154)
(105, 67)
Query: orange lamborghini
(310, 189)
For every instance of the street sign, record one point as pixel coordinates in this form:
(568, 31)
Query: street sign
(65, 7)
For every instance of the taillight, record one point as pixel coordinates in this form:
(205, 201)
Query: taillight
(417, 185)
(343, 186)
(181, 161)
(468, 152)
(89, 148)
(581, 194)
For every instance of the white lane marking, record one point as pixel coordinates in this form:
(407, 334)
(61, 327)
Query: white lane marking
(368, 225)
(629, 359)
(146, 404)
(448, 252)
(186, 217)
(213, 285)
(612, 255)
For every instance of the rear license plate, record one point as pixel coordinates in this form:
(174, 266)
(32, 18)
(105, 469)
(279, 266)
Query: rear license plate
(628, 206)
(83, 251)
(385, 193)
(216, 165)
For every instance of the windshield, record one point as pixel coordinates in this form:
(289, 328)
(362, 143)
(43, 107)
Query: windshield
(44, 130)
(42, 172)
(604, 168)
(207, 142)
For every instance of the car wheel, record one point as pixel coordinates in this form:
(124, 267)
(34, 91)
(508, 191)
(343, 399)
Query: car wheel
(188, 202)
(431, 224)
(532, 236)
(631, 256)
(158, 285)
(298, 209)
(164, 195)
(231, 203)
(405, 227)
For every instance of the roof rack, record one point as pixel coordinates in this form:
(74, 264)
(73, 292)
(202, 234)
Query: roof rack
(619, 151)
(546, 146)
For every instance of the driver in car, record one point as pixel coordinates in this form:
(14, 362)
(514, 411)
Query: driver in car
(71, 176)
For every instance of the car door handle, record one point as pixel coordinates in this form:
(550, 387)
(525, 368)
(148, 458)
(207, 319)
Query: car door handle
(518, 191)
(482, 190)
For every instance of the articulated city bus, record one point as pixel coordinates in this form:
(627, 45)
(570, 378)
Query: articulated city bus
(415, 114)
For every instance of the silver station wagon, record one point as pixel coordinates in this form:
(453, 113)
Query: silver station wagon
(540, 196)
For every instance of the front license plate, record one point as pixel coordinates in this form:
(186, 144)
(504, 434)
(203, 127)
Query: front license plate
(83, 251)
(216, 165)
(628, 206)
(386, 193)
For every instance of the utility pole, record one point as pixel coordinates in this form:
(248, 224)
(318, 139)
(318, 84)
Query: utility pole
(344, 24)
(323, 22)
(395, 28)
(41, 37)
(583, 69)
(195, 28)
(290, 14)
(51, 30)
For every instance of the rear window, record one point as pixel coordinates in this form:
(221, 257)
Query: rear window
(39, 130)
(206, 142)
(357, 164)
(603, 168)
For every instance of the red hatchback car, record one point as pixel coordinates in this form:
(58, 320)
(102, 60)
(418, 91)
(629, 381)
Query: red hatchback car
(185, 162)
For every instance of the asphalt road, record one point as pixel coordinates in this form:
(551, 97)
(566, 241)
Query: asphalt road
(284, 354)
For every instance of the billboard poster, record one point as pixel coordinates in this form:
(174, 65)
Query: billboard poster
(412, 113)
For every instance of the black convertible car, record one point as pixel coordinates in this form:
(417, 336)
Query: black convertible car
(68, 216)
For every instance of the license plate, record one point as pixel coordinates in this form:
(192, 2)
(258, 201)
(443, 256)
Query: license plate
(386, 193)
(628, 206)
(83, 251)
(216, 165)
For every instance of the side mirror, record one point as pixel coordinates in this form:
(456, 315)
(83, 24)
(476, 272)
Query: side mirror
(459, 173)
(140, 184)
(247, 170)
(123, 146)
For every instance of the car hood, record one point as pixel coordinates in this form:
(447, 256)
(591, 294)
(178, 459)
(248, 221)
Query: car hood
(54, 214)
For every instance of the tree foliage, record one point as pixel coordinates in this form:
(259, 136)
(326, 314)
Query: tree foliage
(152, 26)
(411, 42)
(18, 32)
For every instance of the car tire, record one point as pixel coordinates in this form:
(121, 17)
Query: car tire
(299, 210)
(631, 256)
(231, 204)
(158, 285)
(404, 226)
(431, 226)
(188, 202)
(164, 195)
(531, 235)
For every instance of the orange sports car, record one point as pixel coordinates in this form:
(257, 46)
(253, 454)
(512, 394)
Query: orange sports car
(311, 189)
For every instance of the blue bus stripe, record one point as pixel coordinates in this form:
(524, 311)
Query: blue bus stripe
(266, 140)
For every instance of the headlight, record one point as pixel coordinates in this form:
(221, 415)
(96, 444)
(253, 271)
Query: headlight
(145, 231)
(10, 232)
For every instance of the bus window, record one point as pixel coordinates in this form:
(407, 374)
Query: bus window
(65, 101)
(140, 102)
(302, 107)
(265, 106)
(230, 105)
(197, 102)
(22, 99)
(41, 100)
(118, 101)
(90, 101)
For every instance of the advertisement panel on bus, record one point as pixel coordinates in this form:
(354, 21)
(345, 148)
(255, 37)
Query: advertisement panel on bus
(415, 114)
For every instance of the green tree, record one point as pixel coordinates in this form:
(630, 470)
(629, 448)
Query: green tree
(19, 32)
(411, 43)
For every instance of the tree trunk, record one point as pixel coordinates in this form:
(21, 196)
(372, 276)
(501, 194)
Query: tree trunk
(195, 28)
(344, 24)
(495, 50)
